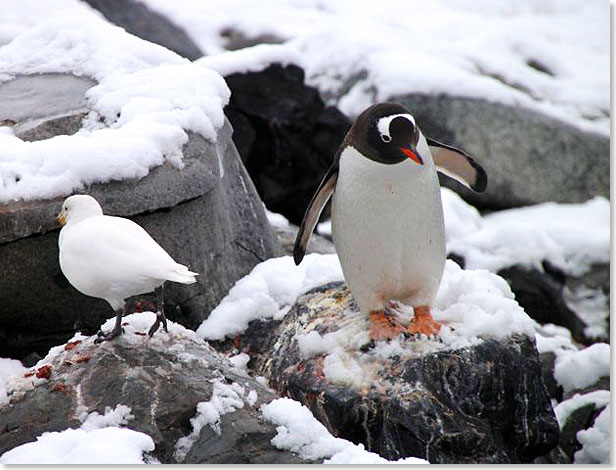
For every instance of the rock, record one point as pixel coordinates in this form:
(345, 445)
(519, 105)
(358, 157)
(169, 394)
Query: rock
(477, 404)
(529, 157)
(35, 113)
(541, 296)
(136, 18)
(317, 244)
(211, 222)
(286, 136)
(162, 380)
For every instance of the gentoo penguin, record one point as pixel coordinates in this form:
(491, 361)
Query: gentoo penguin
(387, 216)
(113, 258)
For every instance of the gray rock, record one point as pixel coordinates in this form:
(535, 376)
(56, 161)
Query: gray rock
(529, 157)
(41, 106)
(136, 18)
(162, 381)
(479, 404)
(318, 243)
(214, 223)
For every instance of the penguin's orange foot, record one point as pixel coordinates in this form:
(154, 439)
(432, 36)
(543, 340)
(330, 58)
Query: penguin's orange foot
(423, 323)
(382, 328)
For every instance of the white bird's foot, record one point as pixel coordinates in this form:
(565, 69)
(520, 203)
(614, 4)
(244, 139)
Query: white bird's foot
(102, 336)
(116, 331)
(160, 318)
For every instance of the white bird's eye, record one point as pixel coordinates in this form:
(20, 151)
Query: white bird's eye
(386, 138)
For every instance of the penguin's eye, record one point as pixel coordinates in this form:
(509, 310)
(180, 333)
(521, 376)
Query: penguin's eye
(386, 138)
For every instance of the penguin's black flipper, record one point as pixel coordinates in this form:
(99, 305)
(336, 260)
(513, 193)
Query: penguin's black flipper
(458, 165)
(320, 198)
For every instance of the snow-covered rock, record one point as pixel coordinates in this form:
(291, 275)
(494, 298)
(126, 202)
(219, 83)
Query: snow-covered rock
(151, 143)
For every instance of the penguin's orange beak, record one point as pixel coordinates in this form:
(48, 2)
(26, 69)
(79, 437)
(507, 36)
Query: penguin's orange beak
(412, 155)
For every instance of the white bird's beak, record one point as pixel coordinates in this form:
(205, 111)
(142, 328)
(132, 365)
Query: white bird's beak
(61, 218)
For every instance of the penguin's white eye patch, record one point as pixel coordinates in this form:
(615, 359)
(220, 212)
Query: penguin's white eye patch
(382, 125)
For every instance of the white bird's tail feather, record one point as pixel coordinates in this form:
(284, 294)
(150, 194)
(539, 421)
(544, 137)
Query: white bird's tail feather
(182, 275)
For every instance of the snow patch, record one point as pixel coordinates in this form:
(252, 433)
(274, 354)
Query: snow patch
(276, 220)
(9, 369)
(226, 398)
(299, 432)
(98, 441)
(563, 410)
(582, 368)
(595, 441)
(570, 236)
(251, 59)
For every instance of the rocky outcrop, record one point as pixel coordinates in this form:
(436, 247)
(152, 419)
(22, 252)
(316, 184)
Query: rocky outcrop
(483, 403)
(207, 216)
(285, 135)
(162, 381)
(136, 18)
(318, 243)
(529, 157)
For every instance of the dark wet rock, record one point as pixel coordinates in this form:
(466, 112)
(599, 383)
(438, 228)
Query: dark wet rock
(580, 419)
(285, 135)
(211, 222)
(529, 157)
(136, 18)
(162, 381)
(318, 243)
(479, 404)
(554, 389)
(541, 296)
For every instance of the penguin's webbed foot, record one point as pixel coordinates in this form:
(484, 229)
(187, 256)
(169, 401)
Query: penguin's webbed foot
(423, 325)
(382, 327)
(160, 318)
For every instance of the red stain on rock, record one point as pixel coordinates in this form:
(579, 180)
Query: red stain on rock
(72, 345)
(43, 372)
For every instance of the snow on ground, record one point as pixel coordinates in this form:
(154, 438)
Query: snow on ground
(547, 55)
(226, 398)
(598, 398)
(472, 304)
(9, 368)
(582, 368)
(300, 432)
(595, 441)
(268, 292)
(276, 220)
(570, 236)
(99, 440)
(147, 97)
(251, 59)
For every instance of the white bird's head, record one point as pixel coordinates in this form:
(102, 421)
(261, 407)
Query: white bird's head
(78, 207)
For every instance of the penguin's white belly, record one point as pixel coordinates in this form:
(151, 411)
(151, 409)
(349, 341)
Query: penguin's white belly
(387, 225)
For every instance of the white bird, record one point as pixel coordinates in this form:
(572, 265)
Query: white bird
(113, 258)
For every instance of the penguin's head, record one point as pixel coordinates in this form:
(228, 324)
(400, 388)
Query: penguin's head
(386, 133)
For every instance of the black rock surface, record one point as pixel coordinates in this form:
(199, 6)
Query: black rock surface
(486, 403)
(162, 381)
(285, 135)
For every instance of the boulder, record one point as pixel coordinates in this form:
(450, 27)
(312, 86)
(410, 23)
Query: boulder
(162, 381)
(207, 216)
(136, 18)
(476, 404)
(285, 135)
(529, 157)
(318, 243)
